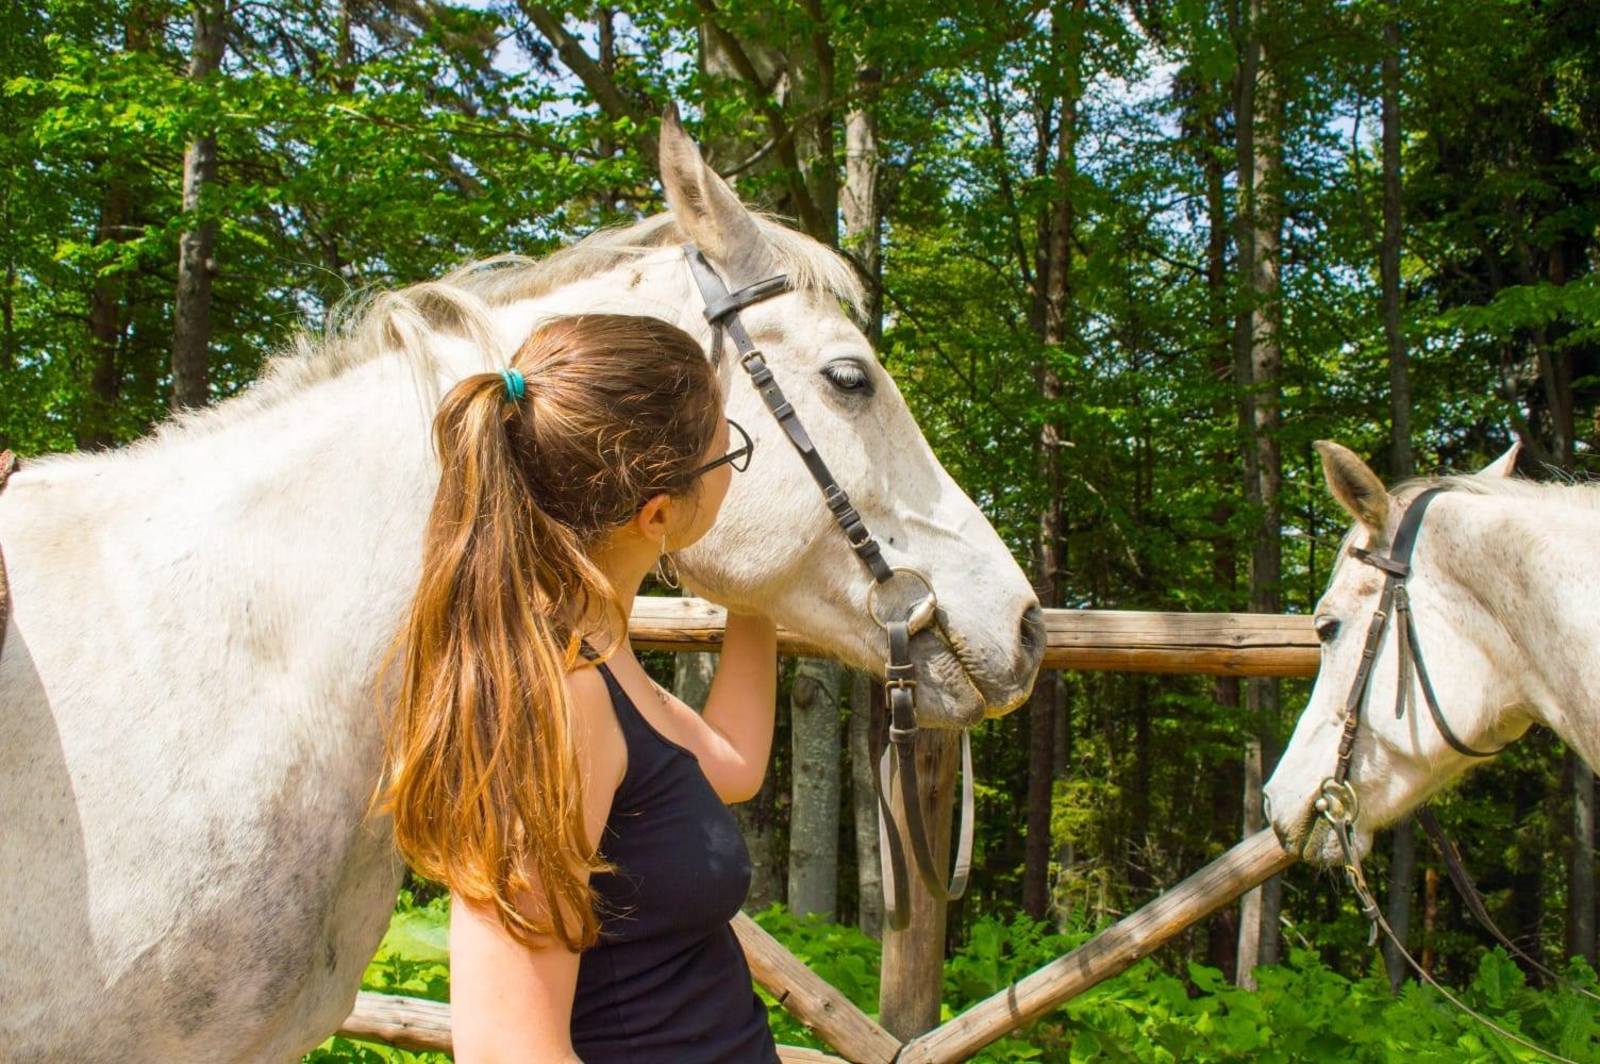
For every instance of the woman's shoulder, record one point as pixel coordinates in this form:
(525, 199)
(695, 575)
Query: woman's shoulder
(601, 748)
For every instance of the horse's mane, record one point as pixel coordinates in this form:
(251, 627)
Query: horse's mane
(1565, 492)
(368, 323)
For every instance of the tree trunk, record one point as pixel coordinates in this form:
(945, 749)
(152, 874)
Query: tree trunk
(1430, 916)
(1223, 928)
(1257, 361)
(1054, 287)
(864, 807)
(1266, 567)
(820, 165)
(1526, 910)
(105, 321)
(1403, 841)
(1580, 872)
(1250, 914)
(863, 206)
(1402, 873)
(196, 244)
(108, 295)
(815, 774)
(1400, 458)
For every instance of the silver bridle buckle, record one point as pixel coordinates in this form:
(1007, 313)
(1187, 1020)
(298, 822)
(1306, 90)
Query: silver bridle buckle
(1337, 803)
(921, 612)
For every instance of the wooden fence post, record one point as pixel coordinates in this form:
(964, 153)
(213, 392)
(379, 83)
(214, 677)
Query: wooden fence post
(911, 989)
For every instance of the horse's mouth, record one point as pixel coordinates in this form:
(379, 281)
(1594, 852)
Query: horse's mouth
(1313, 840)
(972, 672)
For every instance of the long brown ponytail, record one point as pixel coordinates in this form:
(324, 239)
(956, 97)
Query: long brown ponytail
(480, 770)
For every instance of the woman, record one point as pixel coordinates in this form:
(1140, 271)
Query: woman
(574, 808)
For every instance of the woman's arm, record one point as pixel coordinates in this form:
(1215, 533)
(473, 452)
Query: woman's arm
(509, 1003)
(739, 709)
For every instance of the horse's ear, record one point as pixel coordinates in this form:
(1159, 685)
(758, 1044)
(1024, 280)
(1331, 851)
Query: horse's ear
(1355, 486)
(707, 210)
(1505, 465)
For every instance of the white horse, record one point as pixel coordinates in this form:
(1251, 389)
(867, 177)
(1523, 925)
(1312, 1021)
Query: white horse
(187, 731)
(1505, 591)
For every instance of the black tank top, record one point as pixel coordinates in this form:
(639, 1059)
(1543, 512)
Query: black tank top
(668, 982)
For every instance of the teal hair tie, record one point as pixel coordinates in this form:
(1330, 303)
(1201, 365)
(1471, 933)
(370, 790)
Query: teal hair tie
(516, 385)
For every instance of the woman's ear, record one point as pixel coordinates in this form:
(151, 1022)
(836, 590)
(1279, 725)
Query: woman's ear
(655, 518)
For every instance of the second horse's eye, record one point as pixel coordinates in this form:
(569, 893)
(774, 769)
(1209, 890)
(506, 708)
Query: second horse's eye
(847, 376)
(1327, 629)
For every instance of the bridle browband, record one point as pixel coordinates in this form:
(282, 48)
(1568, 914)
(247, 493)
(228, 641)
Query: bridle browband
(900, 685)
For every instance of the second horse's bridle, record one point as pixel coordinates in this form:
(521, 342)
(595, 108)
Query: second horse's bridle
(1337, 803)
(900, 685)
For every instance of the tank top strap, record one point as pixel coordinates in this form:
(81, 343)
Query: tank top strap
(640, 735)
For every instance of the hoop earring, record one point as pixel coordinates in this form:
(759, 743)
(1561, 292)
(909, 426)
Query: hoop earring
(667, 572)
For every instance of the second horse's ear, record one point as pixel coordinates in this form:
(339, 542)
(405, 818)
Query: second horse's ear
(1356, 488)
(707, 210)
(1505, 465)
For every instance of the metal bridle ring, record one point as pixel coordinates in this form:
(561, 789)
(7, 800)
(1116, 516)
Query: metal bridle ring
(924, 606)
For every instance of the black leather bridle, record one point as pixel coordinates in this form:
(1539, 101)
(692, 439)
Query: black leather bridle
(1337, 802)
(900, 685)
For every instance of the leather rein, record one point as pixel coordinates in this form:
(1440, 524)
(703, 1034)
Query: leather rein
(1337, 803)
(900, 685)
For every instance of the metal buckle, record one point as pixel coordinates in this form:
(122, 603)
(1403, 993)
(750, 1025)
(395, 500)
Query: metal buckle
(918, 615)
(1337, 802)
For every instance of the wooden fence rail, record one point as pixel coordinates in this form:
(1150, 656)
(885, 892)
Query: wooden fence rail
(1225, 644)
(421, 1026)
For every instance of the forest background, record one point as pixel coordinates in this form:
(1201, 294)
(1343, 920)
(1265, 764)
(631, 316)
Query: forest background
(1128, 261)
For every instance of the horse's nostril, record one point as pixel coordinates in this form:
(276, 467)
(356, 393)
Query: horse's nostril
(1033, 632)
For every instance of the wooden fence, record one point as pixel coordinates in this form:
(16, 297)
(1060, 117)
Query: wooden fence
(1226, 644)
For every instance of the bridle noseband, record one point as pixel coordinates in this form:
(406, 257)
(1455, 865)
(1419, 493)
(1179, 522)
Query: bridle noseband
(900, 685)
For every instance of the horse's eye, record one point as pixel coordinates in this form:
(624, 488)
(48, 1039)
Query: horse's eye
(848, 375)
(1327, 629)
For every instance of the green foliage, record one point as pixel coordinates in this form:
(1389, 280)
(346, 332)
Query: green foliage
(413, 960)
(1303, 1011)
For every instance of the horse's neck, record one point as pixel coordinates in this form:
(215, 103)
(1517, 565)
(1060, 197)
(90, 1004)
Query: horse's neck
(299, 524)
(1535, 565)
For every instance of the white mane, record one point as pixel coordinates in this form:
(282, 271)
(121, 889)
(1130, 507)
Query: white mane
(368, 323)
(1579, 493)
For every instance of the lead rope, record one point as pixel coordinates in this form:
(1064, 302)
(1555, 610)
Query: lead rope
(1370, 909)
(1461, 879)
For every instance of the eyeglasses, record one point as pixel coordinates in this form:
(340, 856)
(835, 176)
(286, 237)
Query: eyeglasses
(739, 457)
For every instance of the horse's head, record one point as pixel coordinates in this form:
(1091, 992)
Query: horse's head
(776, 548)
(1399, 759)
